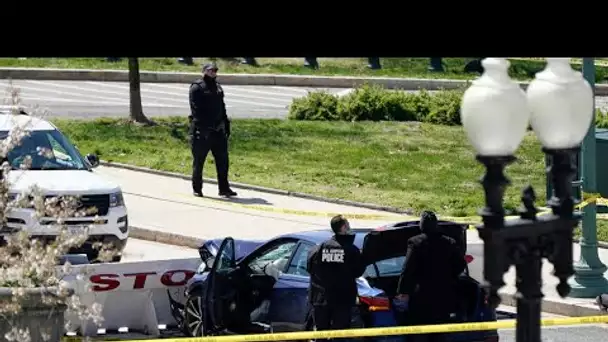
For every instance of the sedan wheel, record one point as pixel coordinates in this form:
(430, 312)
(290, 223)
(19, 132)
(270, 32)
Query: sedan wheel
(194, 324)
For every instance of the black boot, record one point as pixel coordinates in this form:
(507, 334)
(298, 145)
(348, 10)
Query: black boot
(227, 193)
(185, 60)
(436, 64)
(250, 61)
(311, 62)
(374, 63)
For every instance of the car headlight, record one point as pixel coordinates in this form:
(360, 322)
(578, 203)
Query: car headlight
(116, 200)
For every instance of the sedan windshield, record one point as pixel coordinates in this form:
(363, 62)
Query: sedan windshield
(48, 150)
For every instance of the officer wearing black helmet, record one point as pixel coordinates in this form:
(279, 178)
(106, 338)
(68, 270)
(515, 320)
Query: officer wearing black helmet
(334, 266)
(429, 277)
(209, 130)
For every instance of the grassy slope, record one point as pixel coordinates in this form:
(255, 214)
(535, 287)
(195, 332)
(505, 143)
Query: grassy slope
(396, 67)
(407, 165)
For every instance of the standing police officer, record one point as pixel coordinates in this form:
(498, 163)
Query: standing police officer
(334, 266)
(209, 130)
(429, 277)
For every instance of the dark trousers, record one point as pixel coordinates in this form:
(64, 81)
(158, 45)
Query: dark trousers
(427, 313)
(427, 338)
(201, 144)
(332, 318)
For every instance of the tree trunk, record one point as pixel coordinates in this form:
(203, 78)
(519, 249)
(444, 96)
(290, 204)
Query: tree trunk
(136, 109)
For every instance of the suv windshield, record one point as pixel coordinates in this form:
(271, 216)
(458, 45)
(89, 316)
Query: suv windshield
(49, 150)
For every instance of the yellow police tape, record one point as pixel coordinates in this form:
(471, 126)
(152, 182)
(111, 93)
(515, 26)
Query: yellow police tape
(588, 198)
(270, 208)
(390, 331)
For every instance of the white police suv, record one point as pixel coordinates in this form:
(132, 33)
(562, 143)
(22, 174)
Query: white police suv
(62, 171)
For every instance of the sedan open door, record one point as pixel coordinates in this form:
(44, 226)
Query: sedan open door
(220, 294)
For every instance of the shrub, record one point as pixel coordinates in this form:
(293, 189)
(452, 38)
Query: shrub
(444, 108)
(374, 103)
(601, 119)
(317, 105)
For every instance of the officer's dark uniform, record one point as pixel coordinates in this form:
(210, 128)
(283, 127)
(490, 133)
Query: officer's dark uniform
(209, 131)
(430, 273)
(334, 266)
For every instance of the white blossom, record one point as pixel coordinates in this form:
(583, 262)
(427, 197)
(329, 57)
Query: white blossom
(27, 263)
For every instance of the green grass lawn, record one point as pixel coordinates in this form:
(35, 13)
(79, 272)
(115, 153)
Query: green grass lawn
(395, 67)
(407, 165)
(602, 230)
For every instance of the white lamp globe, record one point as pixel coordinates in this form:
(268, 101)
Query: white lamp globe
(561, 101)
(494, 111)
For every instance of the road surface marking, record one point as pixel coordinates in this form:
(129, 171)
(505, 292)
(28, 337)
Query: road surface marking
(121, 93)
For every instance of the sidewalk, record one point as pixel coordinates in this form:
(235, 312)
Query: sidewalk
(553, 303)
(166, 205)
(163, 209)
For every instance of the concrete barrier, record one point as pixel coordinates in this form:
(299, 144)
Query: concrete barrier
(242, 79)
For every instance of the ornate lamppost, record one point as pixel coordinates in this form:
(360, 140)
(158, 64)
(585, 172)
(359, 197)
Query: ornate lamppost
(496, 113)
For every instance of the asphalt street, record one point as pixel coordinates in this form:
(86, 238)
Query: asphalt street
(83, 99)
(141, 250)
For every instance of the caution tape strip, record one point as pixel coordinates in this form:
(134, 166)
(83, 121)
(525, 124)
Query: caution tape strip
(588, 198)
(269, 208)
(385, 331)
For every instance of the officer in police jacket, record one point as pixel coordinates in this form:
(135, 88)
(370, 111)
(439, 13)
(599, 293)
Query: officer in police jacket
(334, 266)
(209, 130)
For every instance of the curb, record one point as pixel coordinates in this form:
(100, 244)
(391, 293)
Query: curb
(153, 235)
(549, 306)
(600, 244)
(244, 79)
(556, 307)
(261, 189)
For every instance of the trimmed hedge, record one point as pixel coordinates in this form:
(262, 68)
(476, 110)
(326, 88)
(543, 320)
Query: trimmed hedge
(375, 103)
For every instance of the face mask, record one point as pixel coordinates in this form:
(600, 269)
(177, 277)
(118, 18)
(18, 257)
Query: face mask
(348, 231)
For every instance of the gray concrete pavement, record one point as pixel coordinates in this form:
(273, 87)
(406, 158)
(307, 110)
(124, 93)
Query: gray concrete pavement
(142, 250)
(586, 306)
(169, 207)
(86, 99)
(582, 333)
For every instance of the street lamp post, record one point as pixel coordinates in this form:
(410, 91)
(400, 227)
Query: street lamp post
(496, 113)
(588, 280)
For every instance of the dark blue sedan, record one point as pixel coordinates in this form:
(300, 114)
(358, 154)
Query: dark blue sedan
(233, 292)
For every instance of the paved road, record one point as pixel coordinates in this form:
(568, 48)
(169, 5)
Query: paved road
(85, 99)
(584, 333)
(141, 250)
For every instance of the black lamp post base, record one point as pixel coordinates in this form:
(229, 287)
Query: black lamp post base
(526, 241)
(588, 280)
